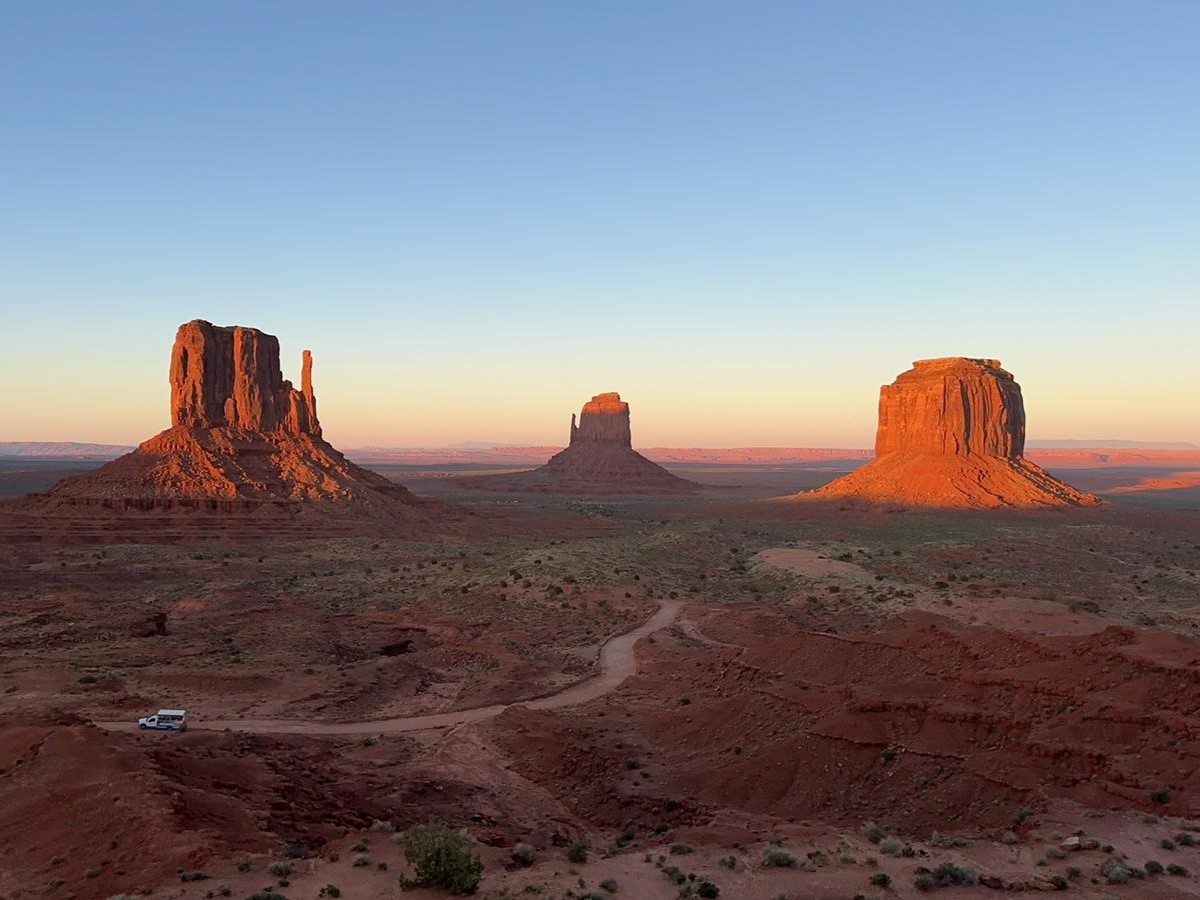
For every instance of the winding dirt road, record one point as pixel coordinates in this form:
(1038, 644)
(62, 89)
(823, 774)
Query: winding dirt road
(617, 662)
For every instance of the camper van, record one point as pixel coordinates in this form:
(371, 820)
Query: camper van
(165, 720)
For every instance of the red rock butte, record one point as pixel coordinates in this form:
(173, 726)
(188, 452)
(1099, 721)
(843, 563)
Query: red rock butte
(952, 434)
(599, 459)
(241, 438)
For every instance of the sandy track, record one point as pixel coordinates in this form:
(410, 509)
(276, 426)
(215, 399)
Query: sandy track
(617, 662)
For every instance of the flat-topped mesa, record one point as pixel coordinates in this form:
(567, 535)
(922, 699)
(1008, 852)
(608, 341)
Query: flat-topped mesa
(954, 405)
(952, 434)
(229, 377)
(603, 420)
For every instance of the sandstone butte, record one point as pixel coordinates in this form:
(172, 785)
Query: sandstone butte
(240, 437)
(952, 434)
(599, 459)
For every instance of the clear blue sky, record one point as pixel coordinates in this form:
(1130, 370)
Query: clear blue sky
(743, 216)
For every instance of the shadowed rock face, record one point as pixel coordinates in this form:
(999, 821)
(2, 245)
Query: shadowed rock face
(952, 433)
(230, 378)
(604, 420)
(599, 459)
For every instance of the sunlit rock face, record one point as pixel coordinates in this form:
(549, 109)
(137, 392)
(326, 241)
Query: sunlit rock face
(230, 378)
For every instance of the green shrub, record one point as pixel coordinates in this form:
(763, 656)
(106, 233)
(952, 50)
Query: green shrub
(361, 862)
(707, 889)
(1153, 867)
(681, 849)
(881, 879)
(330, 890)
(778, 858)
(578, 852)
(281, 869)
(524, 854)
(873, 832)
(1176, 869)
(442, 857)
(608, 885)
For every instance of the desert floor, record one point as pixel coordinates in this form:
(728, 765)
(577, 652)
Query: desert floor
(688, 685)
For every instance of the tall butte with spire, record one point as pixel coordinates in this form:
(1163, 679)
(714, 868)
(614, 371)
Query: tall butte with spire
(599, 459)
(241, 437)
(952, 434)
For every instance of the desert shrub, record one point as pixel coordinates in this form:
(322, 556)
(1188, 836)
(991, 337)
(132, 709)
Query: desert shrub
(1183, 839)
(1021, 815)
(681, 849)
(193, 876)
(727, 862)
(1176, 869)
(380, 826)
(778, 858)
(880, 879)
(524, 854)
(1161, 796)
(873, 832)
(608, 885)
(245, 864)
(361, 862)
(1154, 867)
(947, 841)
(891, 847)
(359, 846)
(578, 852)
(442, 857)
(946, 875)
(330, 890)
(267, 893)
(707, 889)
(281, 869)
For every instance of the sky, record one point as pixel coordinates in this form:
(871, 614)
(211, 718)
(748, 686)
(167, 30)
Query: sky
(744, 216)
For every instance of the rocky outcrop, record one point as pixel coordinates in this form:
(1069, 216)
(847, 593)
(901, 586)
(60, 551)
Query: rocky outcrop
(603, 420)
(242, 440)
(954, 406)
(230, 378)
(599, 459)
(952, 433)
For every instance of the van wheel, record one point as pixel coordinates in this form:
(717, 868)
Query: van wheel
(141, 726)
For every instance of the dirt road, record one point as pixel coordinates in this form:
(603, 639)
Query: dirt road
(617, 662)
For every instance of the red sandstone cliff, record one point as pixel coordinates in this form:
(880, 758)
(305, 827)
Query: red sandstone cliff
(241, 437)
(952, 433)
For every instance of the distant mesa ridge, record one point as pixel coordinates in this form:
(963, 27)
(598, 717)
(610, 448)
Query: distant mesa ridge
(952, 434)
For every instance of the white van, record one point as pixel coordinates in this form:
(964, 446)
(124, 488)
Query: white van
(165, 720)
